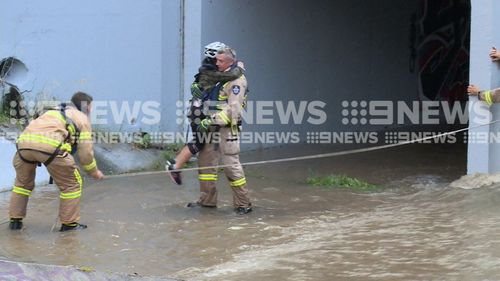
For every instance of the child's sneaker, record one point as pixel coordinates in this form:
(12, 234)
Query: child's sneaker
(175, 176)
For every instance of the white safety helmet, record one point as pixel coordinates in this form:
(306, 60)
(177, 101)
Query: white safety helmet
(212, 49)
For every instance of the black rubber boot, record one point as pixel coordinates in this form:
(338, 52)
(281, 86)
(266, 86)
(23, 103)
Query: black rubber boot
(16, 224)
(198, 204)
(72, 226)
(243, 210)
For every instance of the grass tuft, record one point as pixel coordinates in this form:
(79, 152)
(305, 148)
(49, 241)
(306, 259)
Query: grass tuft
(341, 181)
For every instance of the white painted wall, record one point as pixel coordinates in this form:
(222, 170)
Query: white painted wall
(8, 174)
(483, 157)
(318, 50)
(116, 50)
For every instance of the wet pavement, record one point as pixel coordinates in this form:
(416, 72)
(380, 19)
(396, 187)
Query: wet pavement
(416, 228)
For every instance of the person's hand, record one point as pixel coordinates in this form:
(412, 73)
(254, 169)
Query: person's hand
(196, 91)
(204, 124)
(97, 175)
(473, 90)
(241, 64)
(494, 54)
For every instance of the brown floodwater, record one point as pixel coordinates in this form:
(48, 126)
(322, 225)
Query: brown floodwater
(416, 227)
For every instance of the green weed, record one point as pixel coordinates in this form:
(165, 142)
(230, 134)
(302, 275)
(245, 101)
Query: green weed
(341, 181)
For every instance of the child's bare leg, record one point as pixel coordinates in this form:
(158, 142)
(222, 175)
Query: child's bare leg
(183, 157)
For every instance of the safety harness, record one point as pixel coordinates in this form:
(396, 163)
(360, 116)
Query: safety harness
(66, 146)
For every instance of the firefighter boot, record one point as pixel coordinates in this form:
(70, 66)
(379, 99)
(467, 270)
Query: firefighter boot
(198, 204)
(16, 224)
(72, 226)
(243, 210)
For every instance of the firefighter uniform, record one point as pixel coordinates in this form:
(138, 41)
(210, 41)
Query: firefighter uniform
(490, 96)
(230, 102)
(50, 139)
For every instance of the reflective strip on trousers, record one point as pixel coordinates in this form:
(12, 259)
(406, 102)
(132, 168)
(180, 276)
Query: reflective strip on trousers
(22, 191)
(74, 194)
(207, 177)
(239, 182)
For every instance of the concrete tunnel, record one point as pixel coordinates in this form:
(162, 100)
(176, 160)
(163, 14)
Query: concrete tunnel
(355, 56)
(402, 52)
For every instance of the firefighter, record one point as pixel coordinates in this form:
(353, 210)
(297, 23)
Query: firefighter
(50, 140)
(230, 99)
(205, 80)
(489, 96)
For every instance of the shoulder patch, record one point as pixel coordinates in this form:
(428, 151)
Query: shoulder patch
(235, 89)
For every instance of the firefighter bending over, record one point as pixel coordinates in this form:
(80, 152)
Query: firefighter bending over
(50, 140)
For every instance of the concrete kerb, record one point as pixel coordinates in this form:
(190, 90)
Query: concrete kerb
(31, 271)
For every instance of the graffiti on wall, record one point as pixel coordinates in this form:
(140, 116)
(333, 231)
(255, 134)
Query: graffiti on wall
(439, 44)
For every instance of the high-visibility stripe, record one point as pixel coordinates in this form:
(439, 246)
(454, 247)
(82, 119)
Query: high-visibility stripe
(224, 117)
(74, 194)
(45, 140)
(239, 182)
(71, 129)
(20, 190)
(57, 115)
(223, 98)
(488, 97)
(90, 166)
(66, 147)
(207, 177)
(234, 128)
(85, 136)
(71, 195)
(78, 178)
(39, 139)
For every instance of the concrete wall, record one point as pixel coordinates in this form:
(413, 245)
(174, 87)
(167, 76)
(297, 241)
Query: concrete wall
(323, 50)
(118, 50)
(8, 149)
(483, 156)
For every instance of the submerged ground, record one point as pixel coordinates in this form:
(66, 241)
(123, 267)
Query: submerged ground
(417, 227)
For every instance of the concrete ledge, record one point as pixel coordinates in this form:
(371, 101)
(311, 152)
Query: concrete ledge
(125, 158)
(31, 271)
(111, 158)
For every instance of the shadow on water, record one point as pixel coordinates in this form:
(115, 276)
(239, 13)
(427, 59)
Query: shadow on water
(416, 228)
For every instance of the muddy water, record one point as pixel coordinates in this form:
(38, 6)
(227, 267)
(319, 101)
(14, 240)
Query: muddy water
(417, 228)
